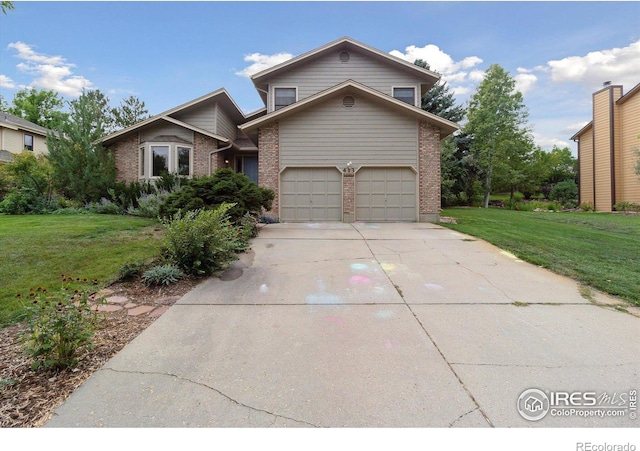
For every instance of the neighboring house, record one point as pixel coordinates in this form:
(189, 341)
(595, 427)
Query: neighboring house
(17, 135)
(607, 149)
(341, 138)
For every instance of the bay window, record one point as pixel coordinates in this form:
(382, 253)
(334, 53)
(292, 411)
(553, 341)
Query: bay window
(157, 158)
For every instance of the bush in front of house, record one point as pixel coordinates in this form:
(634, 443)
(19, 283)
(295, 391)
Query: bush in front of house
(200, 242)
(225, 186)
(565, 192)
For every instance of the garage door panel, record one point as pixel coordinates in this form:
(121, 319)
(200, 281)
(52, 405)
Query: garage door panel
(386, 194)
(311, 194)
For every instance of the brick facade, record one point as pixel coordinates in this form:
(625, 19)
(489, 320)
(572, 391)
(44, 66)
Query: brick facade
(348, 197)
(126, 156)
(428, 173)
(202, 147)
(269, 161)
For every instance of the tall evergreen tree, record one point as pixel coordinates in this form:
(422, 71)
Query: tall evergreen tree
(497, 123)
(130, 112)
(82, 169)
(439, 100)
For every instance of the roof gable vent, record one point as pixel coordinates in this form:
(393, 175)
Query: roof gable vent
(348, 101)
(344, 57)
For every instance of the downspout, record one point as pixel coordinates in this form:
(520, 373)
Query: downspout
(216, 151)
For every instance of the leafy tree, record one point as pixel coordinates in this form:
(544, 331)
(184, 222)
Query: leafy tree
(6, 6)
(4, 106)
(82, 169)
(439, 100)
(130, 112)
(496, 122)
(42, 107)
(459, 170)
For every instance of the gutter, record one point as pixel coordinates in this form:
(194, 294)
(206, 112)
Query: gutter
(216, 151)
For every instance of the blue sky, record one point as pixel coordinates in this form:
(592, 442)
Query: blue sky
(167, 53)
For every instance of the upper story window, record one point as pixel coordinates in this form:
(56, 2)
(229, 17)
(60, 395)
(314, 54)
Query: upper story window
(283, 97)
(28, 142)
(407, 95)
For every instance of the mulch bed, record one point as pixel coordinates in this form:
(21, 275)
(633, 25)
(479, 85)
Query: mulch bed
(28, 398)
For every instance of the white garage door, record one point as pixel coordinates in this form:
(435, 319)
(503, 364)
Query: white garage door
(311, 194)
(386, 194)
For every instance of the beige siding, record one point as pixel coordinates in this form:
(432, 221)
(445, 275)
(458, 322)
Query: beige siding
(617, 160)
(13, 141)
(602, 144)
(150, 133)
(225, 125)
(203, 116)
(332, 135)
(586, 167)
(630, 142)
(328, 71)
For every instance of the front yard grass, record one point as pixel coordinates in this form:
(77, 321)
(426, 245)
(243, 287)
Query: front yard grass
(36, 250)
(600, 250)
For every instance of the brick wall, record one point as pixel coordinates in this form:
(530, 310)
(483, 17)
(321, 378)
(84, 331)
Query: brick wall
(126, 156)
(269, 161)
(429, 172)
(202, 146)
(348, 197)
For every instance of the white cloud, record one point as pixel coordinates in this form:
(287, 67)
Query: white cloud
(456, 73)
(6, 82)
(50, 72)
(260, 62)
(525, 82)
(618, 65)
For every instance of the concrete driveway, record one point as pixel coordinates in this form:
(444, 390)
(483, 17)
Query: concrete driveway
(372, 325)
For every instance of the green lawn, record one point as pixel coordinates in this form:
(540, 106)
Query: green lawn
(35, 250)
(601, 250)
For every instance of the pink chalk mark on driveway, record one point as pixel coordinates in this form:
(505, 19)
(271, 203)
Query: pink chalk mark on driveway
(335, 319)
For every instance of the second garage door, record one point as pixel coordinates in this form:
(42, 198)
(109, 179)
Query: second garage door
(311, 194)
(386, 194)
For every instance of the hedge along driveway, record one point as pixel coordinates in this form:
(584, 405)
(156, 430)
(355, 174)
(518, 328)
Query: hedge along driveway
(37, 249)
(601, 250)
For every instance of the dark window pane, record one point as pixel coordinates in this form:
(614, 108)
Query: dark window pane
(28, 142)
(284, 97)
(160, 157)
(184, 157)
(405, 94)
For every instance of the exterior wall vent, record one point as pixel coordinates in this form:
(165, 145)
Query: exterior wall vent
(348, 101)
(344, 57)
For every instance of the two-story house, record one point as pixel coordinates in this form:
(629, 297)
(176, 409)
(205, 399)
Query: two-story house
(18, 135)
(341, 138)
(607, 149)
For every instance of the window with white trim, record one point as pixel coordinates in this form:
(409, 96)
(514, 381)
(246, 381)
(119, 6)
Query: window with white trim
(154, 159)
(406, 94)
(283, 97)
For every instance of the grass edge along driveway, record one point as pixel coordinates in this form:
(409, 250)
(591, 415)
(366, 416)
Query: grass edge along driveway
(37, 249)
(600, 250)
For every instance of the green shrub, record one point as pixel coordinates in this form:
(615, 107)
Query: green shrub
(626, 206)
(58, 326)
(105, 206)
(148, 205)
(202, 241)
(162, 275)
(130, 271)
(587, 206)
(26, 200)
(538, 205)
(225, 186)
(565, 192)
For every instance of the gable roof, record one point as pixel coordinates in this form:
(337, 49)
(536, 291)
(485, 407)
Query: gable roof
(581, 131)
(628, 95)
(17, 123)
(347, 87)
(221, 95)
(345, 43)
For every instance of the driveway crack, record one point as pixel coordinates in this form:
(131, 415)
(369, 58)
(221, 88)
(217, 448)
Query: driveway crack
(457, 376)
(224, 395)
(462, 416)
